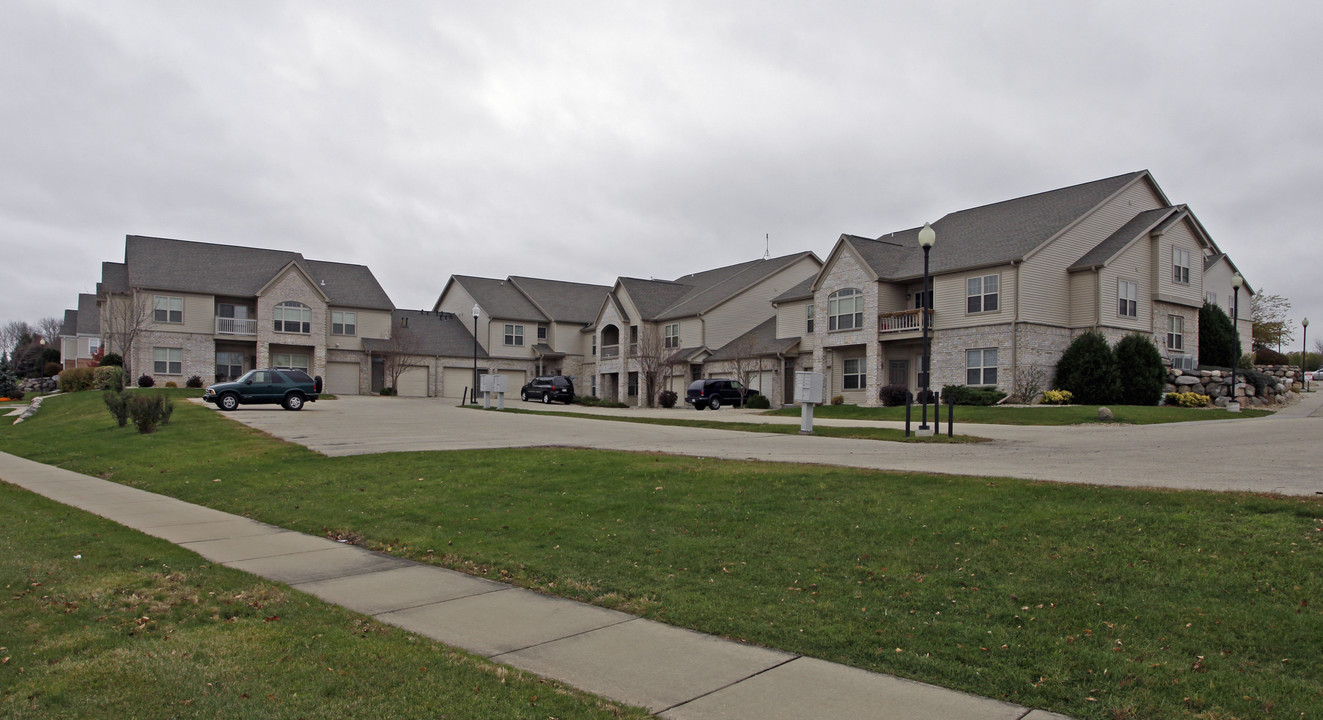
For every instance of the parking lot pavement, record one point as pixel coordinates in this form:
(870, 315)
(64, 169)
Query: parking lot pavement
(1279, 454)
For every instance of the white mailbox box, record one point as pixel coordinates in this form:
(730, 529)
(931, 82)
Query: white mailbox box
(492, 383)
(808, 387)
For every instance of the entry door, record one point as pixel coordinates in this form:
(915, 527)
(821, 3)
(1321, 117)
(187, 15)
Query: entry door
(899, 373)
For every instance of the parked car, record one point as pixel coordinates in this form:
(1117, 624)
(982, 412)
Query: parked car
(546, 389)
(290, 388)
(715, 392)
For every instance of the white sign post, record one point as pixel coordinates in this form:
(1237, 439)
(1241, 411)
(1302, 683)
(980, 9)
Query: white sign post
(808, 392)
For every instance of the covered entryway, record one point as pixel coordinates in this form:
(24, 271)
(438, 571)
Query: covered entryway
(413, 381)
(342, 378)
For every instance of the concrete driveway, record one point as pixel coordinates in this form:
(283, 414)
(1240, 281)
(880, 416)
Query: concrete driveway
(1279, 454)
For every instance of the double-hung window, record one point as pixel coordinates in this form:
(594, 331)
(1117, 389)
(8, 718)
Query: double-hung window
(671, 336)
(853, 376)
(1127, 294)
(981, 294)
(514, 335)
(808, 318)
(168, 361)
(1210, 298)
(292, 317)
(981, 366)
(1180, 266)
(344, 323)
(168, 309)
(542, 333)
(1175, 332)
(290, 361)
(845, 310)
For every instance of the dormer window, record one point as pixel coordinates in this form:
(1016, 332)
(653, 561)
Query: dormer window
(293, 317)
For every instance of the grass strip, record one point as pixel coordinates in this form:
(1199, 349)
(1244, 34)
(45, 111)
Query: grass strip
(103, 621)
(857, 433)
(1096, 602)
(1037, 415)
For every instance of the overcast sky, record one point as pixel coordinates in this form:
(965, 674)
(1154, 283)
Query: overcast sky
(585, 141)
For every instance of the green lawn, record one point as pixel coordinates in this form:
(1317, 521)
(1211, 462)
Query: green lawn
(1096, 602)
(1035, 415)
(105, 622)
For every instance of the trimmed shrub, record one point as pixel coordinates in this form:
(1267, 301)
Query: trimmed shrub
(1057, 397)
(893, 395)
(388, 392)
(1088, 370)
(667, 398)
(758, 402)
(146, 410)
(1186, 399)
(108, 377)
(194, 382)
(1142, 373)
(1268, 356)
(172, 384)
(838, 400)
(145, 381)
(1219, 345)
(964, 395)
(111, 360)
(75, 380)
(118, 405)
(51, 369)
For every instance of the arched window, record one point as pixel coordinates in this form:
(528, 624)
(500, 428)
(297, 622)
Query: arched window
(845, 309)
(293, 317)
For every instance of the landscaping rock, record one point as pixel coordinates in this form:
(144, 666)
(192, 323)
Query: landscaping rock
(1187, 380)
(1105, 414)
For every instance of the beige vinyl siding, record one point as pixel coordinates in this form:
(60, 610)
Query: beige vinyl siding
(368, 324)
(566, 338)
(1045, 286)
(892, 297)
(1179, 236)
(753, 306)
(852, 397)
(1084, 299)
(1131, 265)
(949, 298)
(72, 349)
(199, 313)
(496, 346)
(691, 332)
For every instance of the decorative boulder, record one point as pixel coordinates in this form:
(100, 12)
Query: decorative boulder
(1105, 414)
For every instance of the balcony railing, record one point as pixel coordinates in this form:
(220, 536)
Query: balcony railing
(610, 351)
(236, 326)
(904, 321)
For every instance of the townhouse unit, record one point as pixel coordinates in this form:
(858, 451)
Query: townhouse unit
(427, 354)
(670, 328)
(176, 308)
(80, 334)
(1013, 283)
(528, 326)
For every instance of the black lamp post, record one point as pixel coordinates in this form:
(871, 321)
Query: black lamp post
(1304, 346)
(474, 395)
(1236, 282)
(927, 236)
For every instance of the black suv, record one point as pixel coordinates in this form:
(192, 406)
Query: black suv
(290, 388)
(546, 389)
(713, 393)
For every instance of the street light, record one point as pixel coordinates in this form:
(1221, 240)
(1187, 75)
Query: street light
(927, 236)
(474, 395)
(1304, 345)
(1236, 282)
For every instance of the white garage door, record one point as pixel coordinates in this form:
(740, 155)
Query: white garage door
(514, 380)
(413, 382)
(455, 380)
(342, 378)
(763, 382)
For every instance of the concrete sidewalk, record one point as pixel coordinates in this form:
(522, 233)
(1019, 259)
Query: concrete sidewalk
(672, 672)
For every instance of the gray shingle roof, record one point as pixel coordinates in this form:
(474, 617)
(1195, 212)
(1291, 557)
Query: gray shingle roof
(991, 234)
(207, 268)
(89, 316)
(651, 297)
(432, 334)
(114, 278)
(802, 291)
(699, 292)
(560, 301)
(500, 299)
(1139, 226)
(69, 327)
(761, 341)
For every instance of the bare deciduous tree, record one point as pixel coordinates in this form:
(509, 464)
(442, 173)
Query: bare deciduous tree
(746, 361)
(13, 334)
(396, 352)
(49, 330)
(1271, 327)
(1029, 383)
(126, 317)
(649, 354)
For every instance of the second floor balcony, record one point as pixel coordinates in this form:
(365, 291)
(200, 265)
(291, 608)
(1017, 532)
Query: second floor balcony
(905, 321)
(236, 326)
(610, 351)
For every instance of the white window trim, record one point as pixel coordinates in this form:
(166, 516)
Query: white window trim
(861, 373)
(514, 335)
(671, 336)
(1133, 307)
(347, 320)
(1180, 266)
(983, 294)
(169, 302)
(855, 313)
(302, 326)
(172, 366)
(1176, 335)
(983, 367)
(289, 364)
(809, 318)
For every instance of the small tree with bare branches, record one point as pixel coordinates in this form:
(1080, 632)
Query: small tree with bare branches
(126, 317)
(746, 361)
(396, 353)
(649, 355)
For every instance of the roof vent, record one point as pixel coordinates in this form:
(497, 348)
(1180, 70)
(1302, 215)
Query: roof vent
(323, 283)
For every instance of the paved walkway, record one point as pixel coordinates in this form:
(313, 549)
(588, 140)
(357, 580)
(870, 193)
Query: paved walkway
(675, 673)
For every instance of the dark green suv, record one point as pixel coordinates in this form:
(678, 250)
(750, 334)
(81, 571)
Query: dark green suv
(290, 388)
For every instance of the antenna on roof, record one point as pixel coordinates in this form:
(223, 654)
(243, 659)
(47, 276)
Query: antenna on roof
(767, 253)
